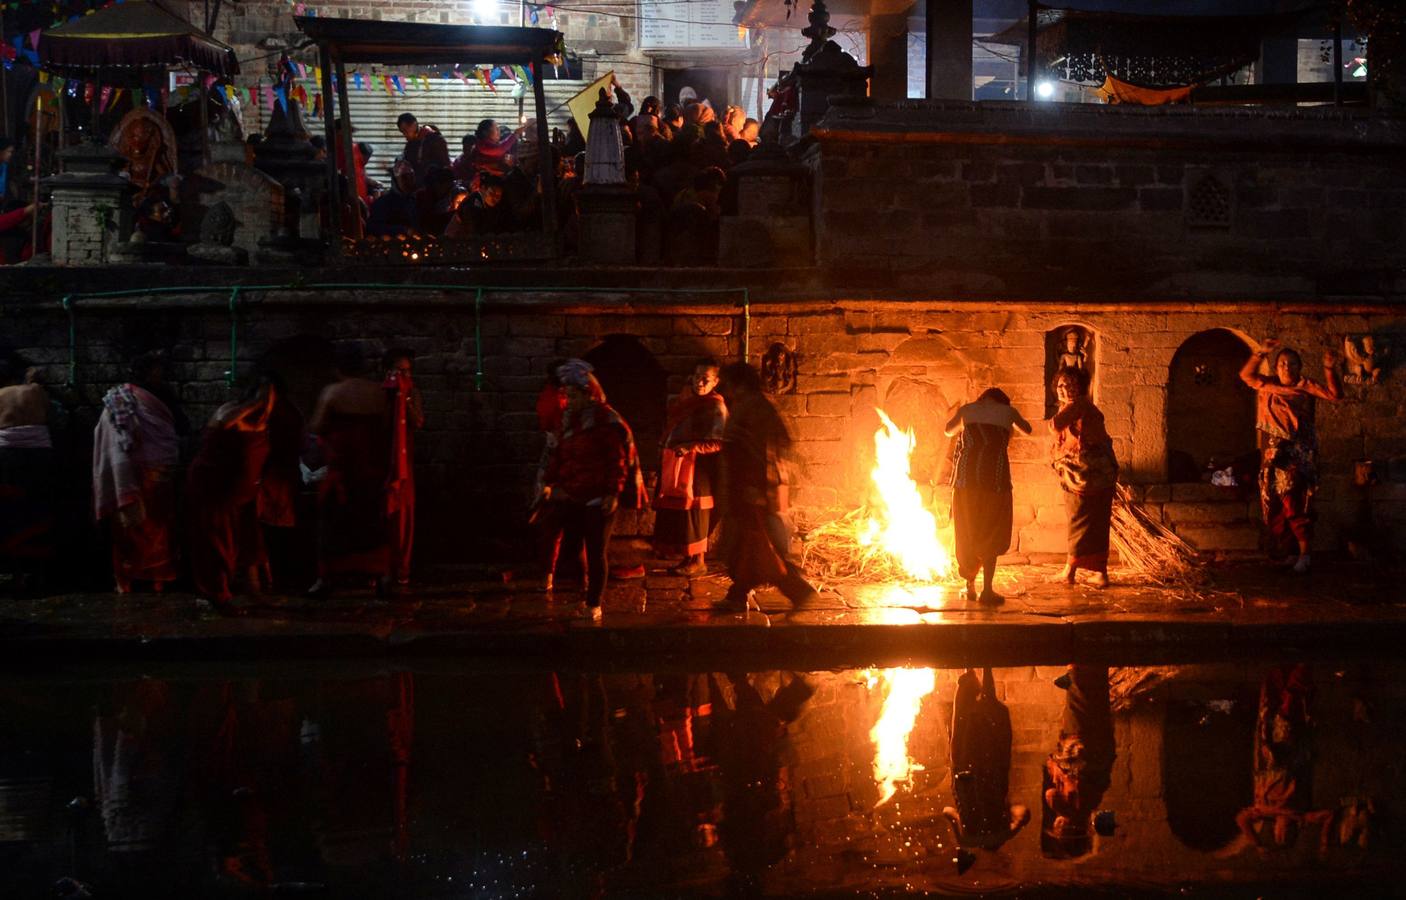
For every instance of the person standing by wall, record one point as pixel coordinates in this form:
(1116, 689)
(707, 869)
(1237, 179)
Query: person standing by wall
(136, 449)
(1088, 472)
(1284, 418)
(352, 425)
(587, 471)
(981, 487)
(693, 436)
(26, 474)
(407, 408)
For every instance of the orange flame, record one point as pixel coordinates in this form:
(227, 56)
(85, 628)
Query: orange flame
(899, 522)
(904, 690)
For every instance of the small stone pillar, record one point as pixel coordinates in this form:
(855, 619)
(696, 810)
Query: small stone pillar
(608, 206)
(92, 206)
(287, 156)
(825, 71)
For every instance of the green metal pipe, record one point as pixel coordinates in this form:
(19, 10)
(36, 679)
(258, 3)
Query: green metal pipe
(68, 305)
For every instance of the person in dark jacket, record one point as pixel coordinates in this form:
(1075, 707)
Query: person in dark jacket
(586, 472)
(425, 147)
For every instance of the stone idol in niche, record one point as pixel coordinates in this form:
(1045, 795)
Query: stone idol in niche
(217, 238)
(1072, 354)
(1366, 359)
(779, 369)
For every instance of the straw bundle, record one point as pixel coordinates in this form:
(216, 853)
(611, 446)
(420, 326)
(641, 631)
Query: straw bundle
(1149, 547)
(832, 551)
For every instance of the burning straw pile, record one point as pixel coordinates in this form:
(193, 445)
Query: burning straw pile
(839, 550)
(1149, 548)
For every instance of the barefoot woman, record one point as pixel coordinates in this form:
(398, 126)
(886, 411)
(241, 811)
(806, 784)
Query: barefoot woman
(1088, 472)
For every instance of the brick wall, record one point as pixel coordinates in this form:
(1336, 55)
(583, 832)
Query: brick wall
(914, 359)
(1005, 197)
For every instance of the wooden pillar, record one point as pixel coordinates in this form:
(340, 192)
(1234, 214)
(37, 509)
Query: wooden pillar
(546, 172)
(1032, 12)
(1337, 63)
(329, 130)
(348, 148)
(949, 49)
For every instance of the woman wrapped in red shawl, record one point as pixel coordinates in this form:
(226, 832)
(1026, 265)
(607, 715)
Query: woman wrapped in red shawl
(1080, 770)
(222, 491)
(587, 471)
(1289, 446)
(352, 425)
(407, 417)
(1088, 472)
(693, 436)
(135, 452)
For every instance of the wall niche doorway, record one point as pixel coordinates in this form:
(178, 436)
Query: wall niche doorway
(1210, 411)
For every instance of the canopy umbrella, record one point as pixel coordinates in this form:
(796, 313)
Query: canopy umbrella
(130, 37)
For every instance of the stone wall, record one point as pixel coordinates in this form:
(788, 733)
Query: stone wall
(914, 359)
(1026, 200)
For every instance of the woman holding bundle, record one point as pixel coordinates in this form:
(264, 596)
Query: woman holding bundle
(1088, 472)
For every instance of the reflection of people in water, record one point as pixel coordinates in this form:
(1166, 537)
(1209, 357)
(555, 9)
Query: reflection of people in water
(1081, 766)
(981, 763)
(757, 816)
(1283, 766)
(591, 808)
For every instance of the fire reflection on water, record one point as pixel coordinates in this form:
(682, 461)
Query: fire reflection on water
(904, 690)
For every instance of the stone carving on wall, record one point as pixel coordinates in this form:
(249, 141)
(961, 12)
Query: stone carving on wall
(217, 237)
(1066, 347)
(779, 369)
(1366, 359)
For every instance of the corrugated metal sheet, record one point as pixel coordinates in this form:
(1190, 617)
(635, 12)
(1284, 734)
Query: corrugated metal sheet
(453, 107)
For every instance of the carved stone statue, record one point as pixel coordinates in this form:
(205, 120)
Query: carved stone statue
(779, 369)
(1366, 360)
(148, 143)
(217, 238)
(1073, 355)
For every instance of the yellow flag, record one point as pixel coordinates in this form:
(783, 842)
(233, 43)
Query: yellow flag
(582, 104)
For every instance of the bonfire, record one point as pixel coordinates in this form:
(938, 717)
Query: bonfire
(895, 536)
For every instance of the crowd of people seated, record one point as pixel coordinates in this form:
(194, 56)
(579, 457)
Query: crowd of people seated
(678, 160)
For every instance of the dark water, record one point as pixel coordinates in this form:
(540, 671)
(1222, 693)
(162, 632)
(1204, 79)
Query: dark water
(1252, 780)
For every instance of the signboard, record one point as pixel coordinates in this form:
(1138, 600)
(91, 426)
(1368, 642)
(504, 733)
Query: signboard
(688, 24)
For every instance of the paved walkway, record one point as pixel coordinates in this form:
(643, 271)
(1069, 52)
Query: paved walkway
(667, 620)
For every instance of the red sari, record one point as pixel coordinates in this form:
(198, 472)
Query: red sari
(684, 504)
(222, 491)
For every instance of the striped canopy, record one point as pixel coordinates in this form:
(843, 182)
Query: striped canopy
(136, 34)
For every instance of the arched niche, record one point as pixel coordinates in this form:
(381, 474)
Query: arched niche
(306, 363)
(920, 405)
(637, 386)
(1072, 346)
(1207, 775)
(1210, 411)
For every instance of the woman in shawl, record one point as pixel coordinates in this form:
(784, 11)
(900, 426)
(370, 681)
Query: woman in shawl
(1289, 445)
(981, 487)
(586, 472)
(135, 451)
(1088, 472)
(1078, 773)
(222, 492)
(693, 436)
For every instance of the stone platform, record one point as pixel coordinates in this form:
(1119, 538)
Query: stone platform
(663, 622)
